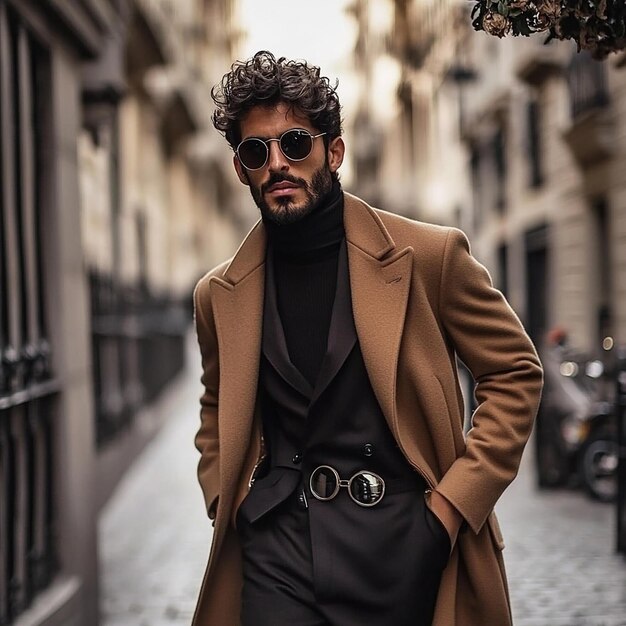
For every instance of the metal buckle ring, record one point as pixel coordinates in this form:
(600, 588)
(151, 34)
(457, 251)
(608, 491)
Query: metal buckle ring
(371, 491)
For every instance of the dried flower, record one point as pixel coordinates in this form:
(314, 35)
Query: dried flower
(542, 22)
(595, 25)
(550, 9)
(496, 24)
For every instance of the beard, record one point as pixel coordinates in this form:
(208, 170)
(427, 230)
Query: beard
(286, 211)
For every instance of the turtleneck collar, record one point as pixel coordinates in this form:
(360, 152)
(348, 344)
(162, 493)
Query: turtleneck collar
(315, 235)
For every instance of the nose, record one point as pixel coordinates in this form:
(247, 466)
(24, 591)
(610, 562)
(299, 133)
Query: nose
(277, 161)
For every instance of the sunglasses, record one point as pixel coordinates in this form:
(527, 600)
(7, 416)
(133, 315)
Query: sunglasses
(365, 488)
(296, 144)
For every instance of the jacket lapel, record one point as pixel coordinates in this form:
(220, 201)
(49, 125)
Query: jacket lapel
(341, 332)
(274, 343)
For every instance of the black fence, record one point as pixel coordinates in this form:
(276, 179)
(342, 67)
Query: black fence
(28, 388)
(137, 346)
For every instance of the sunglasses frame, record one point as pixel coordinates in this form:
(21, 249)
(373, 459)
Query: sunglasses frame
(266, 142)
(345, 483)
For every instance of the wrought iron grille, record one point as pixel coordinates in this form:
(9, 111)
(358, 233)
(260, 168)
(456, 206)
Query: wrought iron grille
(27, 384)
(588, 85)
(137, 347)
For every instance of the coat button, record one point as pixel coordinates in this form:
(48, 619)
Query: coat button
(368, 449)
(297, 458)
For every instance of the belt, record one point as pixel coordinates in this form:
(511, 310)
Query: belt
(393, 486)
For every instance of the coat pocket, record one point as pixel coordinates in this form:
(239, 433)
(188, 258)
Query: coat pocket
(436, 526)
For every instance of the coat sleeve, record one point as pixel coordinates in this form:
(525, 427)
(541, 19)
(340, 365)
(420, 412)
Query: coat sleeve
(489, 338)
(206, 439)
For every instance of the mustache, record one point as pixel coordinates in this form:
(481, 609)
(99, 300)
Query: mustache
(279, 178)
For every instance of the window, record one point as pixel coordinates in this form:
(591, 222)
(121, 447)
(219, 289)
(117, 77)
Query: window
(475, 165)
(533, 126)
(500, 163)
(503, 268)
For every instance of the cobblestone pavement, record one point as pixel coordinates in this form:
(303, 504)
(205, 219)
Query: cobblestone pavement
(154, 540)
(560, 556)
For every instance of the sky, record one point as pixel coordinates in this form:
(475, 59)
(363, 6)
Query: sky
(322, 32)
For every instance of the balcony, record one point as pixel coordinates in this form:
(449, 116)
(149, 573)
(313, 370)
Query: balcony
(591, 136)
(587, 83)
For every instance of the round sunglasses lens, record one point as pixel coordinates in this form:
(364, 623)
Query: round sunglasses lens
(324, 483)
(366, 488)
(252, 153)
(296, 144)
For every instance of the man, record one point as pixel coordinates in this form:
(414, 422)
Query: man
(333, 460)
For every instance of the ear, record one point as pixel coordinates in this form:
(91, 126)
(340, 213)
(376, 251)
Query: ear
(241, 172)
(336, 150)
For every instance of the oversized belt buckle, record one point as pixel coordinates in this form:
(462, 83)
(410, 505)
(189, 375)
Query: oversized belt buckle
(366, 488)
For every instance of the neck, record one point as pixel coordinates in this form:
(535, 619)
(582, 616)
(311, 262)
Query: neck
(315, 235)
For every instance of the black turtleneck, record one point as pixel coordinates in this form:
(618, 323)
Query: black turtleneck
(305, 268)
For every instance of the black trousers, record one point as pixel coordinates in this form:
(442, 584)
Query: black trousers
(335, 563)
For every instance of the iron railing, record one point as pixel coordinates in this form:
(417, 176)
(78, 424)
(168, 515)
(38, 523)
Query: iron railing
(587, 82)
(27, 384)
(137, 347)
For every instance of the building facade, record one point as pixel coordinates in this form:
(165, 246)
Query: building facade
(112, 204)
(407, 135)
(519, 144)
(546, 137)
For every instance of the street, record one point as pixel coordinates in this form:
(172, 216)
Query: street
(154, 532)
(560, 557)
(154, 539)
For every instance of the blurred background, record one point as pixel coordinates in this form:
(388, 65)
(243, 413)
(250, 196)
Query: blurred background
(116, 195)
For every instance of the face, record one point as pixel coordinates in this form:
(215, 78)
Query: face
(285, 191)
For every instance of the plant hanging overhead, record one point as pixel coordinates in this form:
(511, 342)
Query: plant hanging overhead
(595, 25)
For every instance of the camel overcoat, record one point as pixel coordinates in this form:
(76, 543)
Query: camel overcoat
(419, 299)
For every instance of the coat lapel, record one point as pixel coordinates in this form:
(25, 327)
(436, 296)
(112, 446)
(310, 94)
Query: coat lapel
(237, 301)
(380, 276)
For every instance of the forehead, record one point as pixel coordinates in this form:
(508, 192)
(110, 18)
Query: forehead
(271, 121)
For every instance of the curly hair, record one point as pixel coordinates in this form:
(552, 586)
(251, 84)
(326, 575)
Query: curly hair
(265, 81)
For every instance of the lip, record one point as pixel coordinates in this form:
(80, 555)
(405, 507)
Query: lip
(283, 188)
